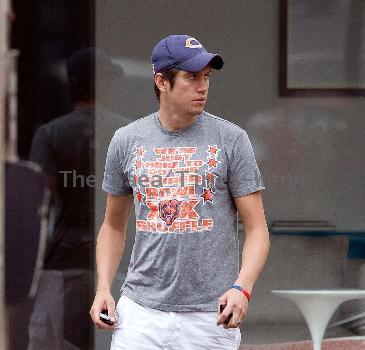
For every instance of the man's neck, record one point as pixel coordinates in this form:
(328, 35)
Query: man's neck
(172, 120)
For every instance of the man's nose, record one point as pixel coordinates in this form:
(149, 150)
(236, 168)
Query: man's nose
(203, 85)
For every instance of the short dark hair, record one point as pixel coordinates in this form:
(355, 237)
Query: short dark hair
(82, 90)
(170, 75)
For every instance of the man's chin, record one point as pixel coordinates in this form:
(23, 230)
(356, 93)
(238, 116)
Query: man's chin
(197, 111)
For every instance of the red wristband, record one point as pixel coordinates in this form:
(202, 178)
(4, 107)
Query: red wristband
(244, 291)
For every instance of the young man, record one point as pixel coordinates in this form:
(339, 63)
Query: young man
(189, 172)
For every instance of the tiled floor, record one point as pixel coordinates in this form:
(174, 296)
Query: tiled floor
(327, 344)
(254, 333)
(296, 337)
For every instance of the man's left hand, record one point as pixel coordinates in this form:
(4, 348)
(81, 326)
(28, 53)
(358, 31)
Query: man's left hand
(236, 303)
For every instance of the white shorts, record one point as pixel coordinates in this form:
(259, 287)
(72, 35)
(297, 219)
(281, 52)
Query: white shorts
(143, 328)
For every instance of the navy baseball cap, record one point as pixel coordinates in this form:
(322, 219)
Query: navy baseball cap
(183, 52)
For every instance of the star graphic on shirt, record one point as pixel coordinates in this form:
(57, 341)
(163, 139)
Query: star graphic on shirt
(135, 178)
(139, 151)
(140, 196)
(207, 195)
(210, 177)
(138, 164)
(212, 162)
(213, 150)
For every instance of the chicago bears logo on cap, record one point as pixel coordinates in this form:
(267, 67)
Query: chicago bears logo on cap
(192, 43)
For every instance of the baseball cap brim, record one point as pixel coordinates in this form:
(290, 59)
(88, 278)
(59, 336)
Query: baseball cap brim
(201, 60)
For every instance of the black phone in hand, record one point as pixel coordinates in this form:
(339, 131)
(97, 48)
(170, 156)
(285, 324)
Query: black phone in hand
(103, 316)
(229, 316)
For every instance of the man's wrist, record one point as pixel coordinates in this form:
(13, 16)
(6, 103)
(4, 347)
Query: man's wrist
(243, 290)
(103, 289)
(244, 283)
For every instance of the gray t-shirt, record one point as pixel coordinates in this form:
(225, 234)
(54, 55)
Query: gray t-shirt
(185, 254)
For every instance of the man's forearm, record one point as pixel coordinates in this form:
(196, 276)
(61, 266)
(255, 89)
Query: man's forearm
(109, 251)
(254, 255)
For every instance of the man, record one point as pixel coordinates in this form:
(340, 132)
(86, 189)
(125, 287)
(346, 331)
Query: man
(188, 172)
(64, 148)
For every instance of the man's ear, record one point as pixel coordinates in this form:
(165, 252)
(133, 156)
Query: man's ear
(160, 82)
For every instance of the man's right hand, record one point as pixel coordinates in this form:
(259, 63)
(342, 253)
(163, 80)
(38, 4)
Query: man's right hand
(109, 251)
(103, 301)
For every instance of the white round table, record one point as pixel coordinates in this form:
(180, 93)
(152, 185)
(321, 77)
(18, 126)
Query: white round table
(318, 306)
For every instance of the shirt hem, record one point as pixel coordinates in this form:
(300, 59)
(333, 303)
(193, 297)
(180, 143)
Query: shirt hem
(169, 307)
(244, 193)
(113, 190)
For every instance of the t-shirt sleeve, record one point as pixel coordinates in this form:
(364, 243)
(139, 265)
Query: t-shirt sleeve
(115, 178)
(244, 176)
(42, 151)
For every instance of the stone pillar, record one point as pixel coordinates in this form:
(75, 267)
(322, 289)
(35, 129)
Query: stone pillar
(4, 30)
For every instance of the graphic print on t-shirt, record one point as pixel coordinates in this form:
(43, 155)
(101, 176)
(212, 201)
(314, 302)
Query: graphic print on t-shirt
(172, 185)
